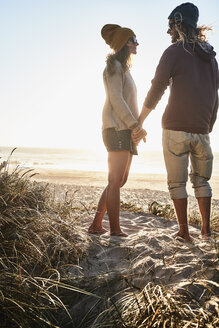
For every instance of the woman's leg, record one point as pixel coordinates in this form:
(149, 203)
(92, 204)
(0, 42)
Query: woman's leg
(96, 226)
(119, 165)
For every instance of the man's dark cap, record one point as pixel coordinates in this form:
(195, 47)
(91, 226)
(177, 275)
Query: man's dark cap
(186, 13)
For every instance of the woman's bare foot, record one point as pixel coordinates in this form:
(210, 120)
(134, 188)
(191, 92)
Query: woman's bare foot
(96, 230)
(185, 237)
(119, 234)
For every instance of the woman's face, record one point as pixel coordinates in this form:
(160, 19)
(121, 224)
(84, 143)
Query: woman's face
(132, 44)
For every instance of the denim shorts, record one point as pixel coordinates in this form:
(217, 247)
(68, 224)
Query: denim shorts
(118, 140)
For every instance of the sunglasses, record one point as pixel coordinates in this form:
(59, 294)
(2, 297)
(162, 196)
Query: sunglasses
(133, 39)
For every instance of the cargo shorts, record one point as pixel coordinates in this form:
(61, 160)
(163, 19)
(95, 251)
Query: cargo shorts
(180, 150)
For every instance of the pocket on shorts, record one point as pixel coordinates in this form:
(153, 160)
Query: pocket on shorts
(204, 148)
(177, 142)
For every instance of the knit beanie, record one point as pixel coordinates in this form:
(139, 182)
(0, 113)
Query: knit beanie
(187, 13)
(116, 36)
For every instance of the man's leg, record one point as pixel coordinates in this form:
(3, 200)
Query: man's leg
(176, 156)
(204, 204)
(201, 170)
(181, 213)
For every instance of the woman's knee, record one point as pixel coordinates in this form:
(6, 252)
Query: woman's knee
(115, 182)
(124, 180)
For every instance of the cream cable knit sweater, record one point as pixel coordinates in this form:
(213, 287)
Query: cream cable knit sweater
(120, 110)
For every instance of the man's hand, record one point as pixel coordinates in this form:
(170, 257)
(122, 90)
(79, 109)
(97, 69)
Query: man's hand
(138, 134)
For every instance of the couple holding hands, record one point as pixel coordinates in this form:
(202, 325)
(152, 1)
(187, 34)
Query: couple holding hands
(188, 66)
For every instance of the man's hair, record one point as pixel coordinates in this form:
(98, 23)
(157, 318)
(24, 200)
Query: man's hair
(123, 56)
(191, 34)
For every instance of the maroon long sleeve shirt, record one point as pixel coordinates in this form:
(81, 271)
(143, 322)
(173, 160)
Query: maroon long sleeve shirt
(192, 75)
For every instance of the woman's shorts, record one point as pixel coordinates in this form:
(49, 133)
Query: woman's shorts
(118, 140)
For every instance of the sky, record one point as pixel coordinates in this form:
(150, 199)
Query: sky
(51, 62)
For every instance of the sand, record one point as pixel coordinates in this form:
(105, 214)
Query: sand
(135, 181)
(150, 253)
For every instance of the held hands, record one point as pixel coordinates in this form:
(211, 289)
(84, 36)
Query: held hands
(138, 134)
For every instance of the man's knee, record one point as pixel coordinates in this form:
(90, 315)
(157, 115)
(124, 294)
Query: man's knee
(177, 190)
(201, 186)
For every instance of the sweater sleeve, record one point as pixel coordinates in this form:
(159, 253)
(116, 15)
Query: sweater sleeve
(161, 79)
(214, 115)
(115, 92)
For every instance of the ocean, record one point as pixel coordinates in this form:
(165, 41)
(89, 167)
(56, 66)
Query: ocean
(84, 160)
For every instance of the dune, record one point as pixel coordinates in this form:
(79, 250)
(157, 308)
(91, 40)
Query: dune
(150, 253)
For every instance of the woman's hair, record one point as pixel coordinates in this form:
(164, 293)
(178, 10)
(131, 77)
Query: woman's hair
(123, 56)
(190, 34)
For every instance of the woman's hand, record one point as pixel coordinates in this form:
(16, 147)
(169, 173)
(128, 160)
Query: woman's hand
(138, 134)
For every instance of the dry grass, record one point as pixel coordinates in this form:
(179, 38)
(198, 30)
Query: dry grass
(130, 207)
(38, 239)
(155, 306)
(162, 210)
(167, 211)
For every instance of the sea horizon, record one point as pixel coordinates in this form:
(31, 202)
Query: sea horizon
(84, 159)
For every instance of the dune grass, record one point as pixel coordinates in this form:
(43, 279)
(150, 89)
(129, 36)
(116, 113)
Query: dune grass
(167, 211)
(155, 306)
(39, 238)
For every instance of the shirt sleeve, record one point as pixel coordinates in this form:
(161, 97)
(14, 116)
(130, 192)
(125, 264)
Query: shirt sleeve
(161, 79)
(215, 111)
(214, 115)
(115, 91)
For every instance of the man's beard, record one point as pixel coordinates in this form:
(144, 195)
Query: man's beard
(175, 38)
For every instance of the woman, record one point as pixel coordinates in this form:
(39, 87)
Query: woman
(120, 117)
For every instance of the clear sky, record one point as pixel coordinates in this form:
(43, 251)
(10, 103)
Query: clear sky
(51, 62)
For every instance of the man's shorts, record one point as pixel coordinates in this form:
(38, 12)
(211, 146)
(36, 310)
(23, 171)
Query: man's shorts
(182, 149)
(115, 140)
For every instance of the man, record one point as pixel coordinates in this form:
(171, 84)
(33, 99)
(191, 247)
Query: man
(189, 67)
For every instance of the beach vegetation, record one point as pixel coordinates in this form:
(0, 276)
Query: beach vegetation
(159, 306)
(167, 211)
(162, 210)
(43, 247)
(130, 207)
(39, 239)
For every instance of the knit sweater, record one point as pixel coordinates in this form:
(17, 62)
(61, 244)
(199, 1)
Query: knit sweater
(120, 110)
(193, 78)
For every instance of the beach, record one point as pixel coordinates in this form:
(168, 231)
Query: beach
(99, 179)
(149, 255)
(89, 167)
(106, 267)
(140, 190)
